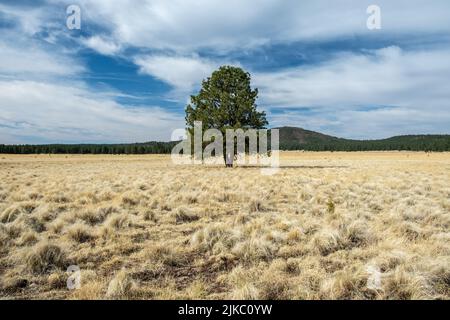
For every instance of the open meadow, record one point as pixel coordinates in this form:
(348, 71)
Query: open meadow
(372, 225)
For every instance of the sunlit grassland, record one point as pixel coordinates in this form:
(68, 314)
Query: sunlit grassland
(327, 225)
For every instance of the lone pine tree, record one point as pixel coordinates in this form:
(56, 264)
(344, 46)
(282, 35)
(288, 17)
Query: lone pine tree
(226, 101)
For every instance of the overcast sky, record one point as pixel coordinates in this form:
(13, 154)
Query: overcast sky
(127, 74)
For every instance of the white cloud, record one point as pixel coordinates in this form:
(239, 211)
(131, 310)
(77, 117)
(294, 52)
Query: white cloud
(31, 60)
(377, 94)
(29, 20)
(101, 45)
(28, 46)
(186, 26)
(40, 103)
(388, 76)
(71, 113)
(183, 73)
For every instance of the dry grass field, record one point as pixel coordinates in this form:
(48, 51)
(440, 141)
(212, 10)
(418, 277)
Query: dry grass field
(327, 226)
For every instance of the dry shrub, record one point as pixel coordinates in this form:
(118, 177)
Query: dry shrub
(388, 260)
(347, 284)
(90, 217)
(289, 266)
(242, 283)
(122, 286)
(410, 230)
(80, 233)
(90, 291)
(274, 286)
(31, 221)
(258, 283)
(28, 207)
(91, 287)
(10, 214)
(131, 199)
(46, 213)
(44, 257)
(57, 226)
(57, 280)
(439, 277)
(11, 282)
(254, 250)
(184, 216)
(9, 232)
(403, 285)
(357, 234)
(28, 238)
(214, 237)
(196, 290)
(222, 261)
(245, 292)
(326, 241)
(166, 255)
(117, 221)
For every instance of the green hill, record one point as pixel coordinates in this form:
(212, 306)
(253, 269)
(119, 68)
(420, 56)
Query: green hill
(291, 138)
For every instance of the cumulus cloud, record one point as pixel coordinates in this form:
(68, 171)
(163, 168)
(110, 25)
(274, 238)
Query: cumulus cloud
(32, 60)
(48, 112)
(29, 20)
(186, 26)
(388, 76)
(101, 45)
(40, 102)
(183, 73)
(376, 94)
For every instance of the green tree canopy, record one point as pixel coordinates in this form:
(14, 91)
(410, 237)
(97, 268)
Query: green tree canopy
(226, 101)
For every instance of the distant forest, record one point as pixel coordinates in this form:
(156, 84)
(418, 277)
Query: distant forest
(435, 143)
(135, 148)
(290, 139)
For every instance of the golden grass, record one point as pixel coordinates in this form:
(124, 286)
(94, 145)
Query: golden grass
(140, 227)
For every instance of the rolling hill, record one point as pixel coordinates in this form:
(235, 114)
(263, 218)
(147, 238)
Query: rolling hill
(291, 138)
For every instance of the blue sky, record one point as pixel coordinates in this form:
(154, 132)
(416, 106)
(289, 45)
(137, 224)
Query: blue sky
(127, 74)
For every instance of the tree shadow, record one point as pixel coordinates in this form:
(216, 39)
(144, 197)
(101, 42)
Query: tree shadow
(291, 167)
(266, 167)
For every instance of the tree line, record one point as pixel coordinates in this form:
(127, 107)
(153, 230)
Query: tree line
(428, 143)
(136, 148)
